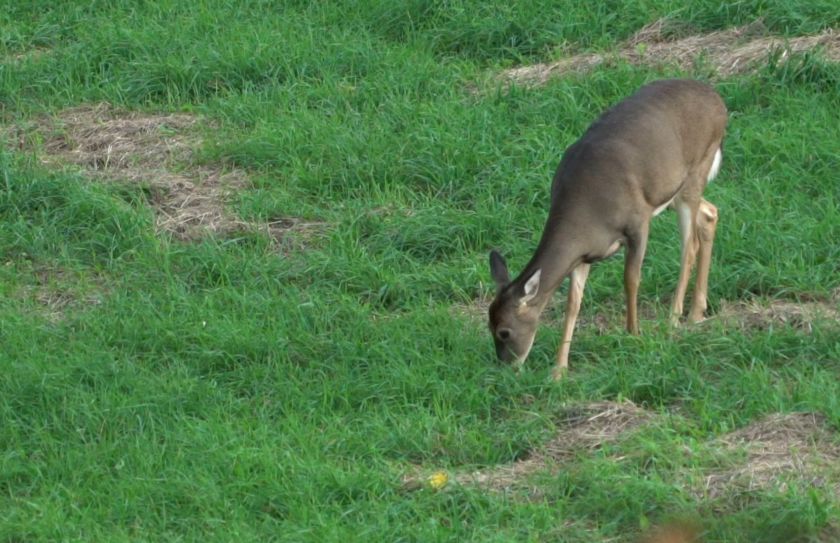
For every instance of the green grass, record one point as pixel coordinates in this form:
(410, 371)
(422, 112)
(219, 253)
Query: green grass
(224, 390)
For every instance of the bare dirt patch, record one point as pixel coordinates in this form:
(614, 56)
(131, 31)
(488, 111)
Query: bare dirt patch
(726, 52)
(57, 292)
(756, 315)
(155, 151)
(475, 310)
(674, 532)
(302, 231)
(27, 55)
(107, 140)
(581, 428)
(774, 452)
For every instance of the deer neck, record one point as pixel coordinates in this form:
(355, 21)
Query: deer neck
(556, 256)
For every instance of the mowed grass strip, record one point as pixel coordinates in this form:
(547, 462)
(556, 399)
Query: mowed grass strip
(222, 387)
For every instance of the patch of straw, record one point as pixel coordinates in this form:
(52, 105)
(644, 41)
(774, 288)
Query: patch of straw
(57, 293)
(154, 150)
(581, 428)
(777, 450)
(803, 316)
(726, 52)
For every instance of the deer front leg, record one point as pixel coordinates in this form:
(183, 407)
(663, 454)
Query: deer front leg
(635, 255)
(706, 224)
(577, 280)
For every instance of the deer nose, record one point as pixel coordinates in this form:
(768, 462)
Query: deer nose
(503, 353)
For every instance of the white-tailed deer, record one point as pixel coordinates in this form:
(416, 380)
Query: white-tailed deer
(656, 149)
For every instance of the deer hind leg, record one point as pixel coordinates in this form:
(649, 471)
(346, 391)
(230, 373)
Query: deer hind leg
(687, 217)
(706, 224)
(698, 221)
(635, 255)
(577, 280)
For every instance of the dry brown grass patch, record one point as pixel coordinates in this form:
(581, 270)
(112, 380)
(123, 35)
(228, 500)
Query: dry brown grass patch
(30, 54)
(293, 233)
(155, 151)
(726, 52)
(776, 451)
(675, 532)
(755, 315)
(581, 428)
(104, 139)
(57, 292)
(475, 310)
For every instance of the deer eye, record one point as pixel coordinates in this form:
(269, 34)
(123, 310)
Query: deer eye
(503, 334)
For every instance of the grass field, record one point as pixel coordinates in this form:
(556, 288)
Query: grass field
(243, 276)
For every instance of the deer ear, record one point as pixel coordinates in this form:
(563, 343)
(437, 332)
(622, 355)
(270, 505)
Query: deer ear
(498, 269)
(532, 286)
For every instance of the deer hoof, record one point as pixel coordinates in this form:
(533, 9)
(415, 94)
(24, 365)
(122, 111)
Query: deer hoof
(695, 319)
(557, 373)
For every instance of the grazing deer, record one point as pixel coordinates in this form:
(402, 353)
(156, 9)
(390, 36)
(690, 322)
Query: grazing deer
(656, 149)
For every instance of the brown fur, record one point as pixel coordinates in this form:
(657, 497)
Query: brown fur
(654, 149)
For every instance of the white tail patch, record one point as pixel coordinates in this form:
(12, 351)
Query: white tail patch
(715, 165)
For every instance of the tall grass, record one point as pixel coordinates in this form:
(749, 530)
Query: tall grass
(153, 389)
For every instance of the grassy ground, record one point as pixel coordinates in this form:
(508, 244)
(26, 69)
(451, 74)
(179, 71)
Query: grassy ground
(250, 387)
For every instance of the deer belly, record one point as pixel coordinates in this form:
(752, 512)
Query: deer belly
(595, 256)
(663, 207)
(613, 248)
